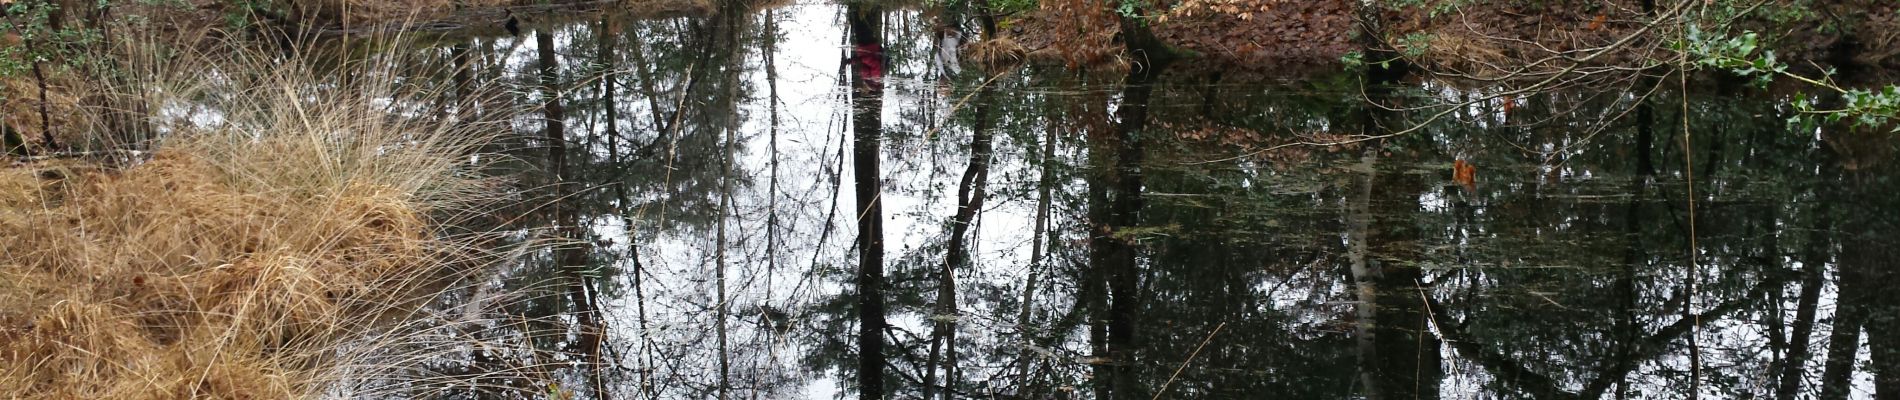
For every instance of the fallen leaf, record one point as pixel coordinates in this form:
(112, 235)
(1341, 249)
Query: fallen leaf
(1464, 173)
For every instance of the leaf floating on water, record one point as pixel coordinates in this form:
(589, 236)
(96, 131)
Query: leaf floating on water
(1465, 174)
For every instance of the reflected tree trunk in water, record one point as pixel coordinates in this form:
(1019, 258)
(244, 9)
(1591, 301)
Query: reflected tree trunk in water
(1115, 205)
(1862, 263)
(867, 105)
(1094, 291)
(1842, 346)
(640, 312)
(635, 50)
(1635, 258)
(608, 62)
(722, 306)
(1409, 361)
(769, 52)
(1398, 354)
(572, 256)
(970, 193)
(1868, 258)
(728, 39)
(463, 81)
(1873, 250)
(645, 367)
(1815, 254)
(553, 115)
(1365, 278)
(1852, 291)
(605, 62)
(1813, 271)
(1038, 233)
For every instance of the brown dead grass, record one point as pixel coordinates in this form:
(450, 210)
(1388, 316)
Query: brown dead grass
(995, 55)
(249, 258)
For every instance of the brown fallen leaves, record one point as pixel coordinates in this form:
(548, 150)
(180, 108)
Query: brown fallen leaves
(1464, 174)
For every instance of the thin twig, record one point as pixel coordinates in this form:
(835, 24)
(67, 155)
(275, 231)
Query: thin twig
(1190, 360)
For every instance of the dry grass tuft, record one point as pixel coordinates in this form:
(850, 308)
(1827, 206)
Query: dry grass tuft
(278, 227)
(995, 55)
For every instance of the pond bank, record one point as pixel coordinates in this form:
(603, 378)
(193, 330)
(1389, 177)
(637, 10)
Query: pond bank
(1482, 38)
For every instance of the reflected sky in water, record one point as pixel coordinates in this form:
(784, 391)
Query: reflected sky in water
(1363, 270)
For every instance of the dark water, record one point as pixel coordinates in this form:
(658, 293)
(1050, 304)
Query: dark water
(1600, 252)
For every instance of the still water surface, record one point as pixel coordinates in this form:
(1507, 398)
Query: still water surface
(1597, 253)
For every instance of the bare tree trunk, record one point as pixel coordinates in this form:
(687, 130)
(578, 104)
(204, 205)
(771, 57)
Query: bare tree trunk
(1371, 21)
(867, 103)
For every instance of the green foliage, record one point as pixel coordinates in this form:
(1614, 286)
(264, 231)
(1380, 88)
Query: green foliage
(1864, 107)
(33, 21)
(1128, 8)
(1414, 44)
(1353, 60)
(43, 46)
(1739, 55)
(1736, 54)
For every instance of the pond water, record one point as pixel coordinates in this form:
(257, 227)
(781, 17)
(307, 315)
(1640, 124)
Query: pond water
(1162, 239)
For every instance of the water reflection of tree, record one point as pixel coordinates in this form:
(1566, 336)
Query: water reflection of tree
(652, 157)
(1561, 275)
